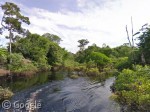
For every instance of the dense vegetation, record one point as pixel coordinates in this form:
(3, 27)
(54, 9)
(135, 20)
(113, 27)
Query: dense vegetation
(132, 86)
(132, 89)
(29, 53)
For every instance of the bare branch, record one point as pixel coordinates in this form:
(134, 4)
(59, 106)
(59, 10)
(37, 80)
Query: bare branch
(132, 32)
(128, 36)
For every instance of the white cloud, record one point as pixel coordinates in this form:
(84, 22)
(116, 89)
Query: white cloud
(99, 21)
(81, 3)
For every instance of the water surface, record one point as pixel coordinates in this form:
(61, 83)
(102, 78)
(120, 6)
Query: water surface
(69, 95)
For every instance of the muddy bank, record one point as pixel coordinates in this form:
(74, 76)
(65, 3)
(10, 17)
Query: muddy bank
(4, 72)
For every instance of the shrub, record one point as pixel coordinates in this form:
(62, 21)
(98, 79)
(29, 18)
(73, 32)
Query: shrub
(3, 56)
(20, 65)
(74, 76)
(80, 67)
(93, 72)
(109, 71)
(132, 88)
(5, 93)
(123, 63)
(99, 59)
(90, 64)
(42, 64)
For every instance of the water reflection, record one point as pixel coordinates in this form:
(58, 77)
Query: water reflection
(57, 76)
(65, 94)
(20, 83)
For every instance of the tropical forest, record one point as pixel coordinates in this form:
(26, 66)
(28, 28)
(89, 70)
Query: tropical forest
(38, 74)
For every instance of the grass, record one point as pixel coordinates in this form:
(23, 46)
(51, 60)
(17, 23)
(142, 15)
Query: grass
(74, 76)
(5, 93)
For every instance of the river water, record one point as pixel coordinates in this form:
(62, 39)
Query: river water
(58, 93)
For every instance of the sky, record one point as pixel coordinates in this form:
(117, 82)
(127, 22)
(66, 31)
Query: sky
(99, 21)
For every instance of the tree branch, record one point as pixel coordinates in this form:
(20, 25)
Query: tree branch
(128, 36)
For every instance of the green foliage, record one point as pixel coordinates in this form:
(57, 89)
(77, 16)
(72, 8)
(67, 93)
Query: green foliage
(84, 55)
(34, 47)
(99, 58)
(20, 65)
(52, 37)
(122, 51)
(80, 68)
(39, 49)
(42, 64)
(3, 56)
(81, 56)
(91, 64)
(122, 63)
(12, 20)
(82, 43)
(109, 70)
(55, 54)
(5, 93)
(133, 87)
(74, 76)
(106, 50)
(93, 72)
(144, 45)
(68, 60)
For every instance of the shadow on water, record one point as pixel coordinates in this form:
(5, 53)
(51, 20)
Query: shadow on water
(24, 82)
(54, 76)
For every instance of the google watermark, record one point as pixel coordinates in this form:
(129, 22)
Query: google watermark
(27, 105)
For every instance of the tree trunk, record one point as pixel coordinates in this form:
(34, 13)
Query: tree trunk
(143, 59)
(10, 41)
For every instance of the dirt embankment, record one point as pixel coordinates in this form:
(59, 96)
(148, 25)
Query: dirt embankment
(4, 72)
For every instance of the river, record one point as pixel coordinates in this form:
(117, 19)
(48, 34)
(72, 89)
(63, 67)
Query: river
(59, 93)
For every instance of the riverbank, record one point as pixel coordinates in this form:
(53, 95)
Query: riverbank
(4, 72)
(73, 73)
(5, 93)
(132, 89)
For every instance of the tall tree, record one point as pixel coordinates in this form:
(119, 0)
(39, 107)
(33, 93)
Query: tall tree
(144, 45)
(82, 44)
(52, 37)
(12, 20)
